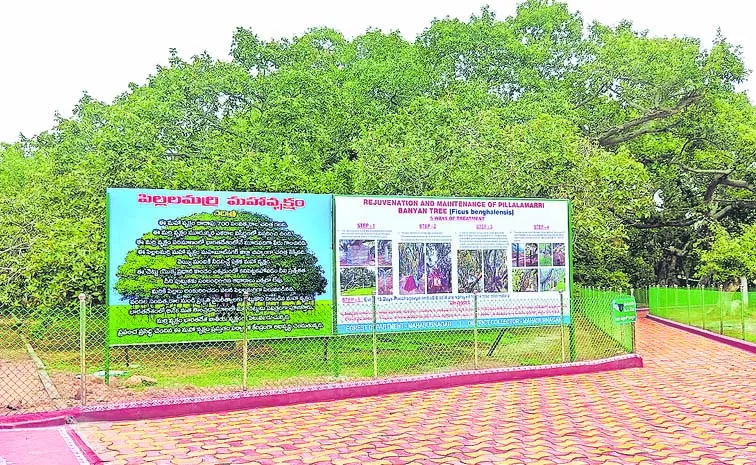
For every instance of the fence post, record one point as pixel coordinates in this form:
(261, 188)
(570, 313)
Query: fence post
(375, 340)
(561, 325)
(721, 316)
(571, 332)
(83, 347)
(245, 348)
(475, 326)
(622, 327)
(677, 303)
(689, 322)
(703, 307)
(669, 302)
(743, 304)
(632, 327)
(742, 321)
(106, 355)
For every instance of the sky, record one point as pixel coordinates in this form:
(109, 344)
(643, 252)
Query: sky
(53, 51)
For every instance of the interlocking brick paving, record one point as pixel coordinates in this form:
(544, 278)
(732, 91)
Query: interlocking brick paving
(694, 403)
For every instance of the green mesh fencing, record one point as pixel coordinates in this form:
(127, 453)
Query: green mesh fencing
(596, 307)
(41, 355)
(715, 310)
(641, 297)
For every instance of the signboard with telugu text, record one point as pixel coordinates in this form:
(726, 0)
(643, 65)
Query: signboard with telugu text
(426, 258)
(181, 262)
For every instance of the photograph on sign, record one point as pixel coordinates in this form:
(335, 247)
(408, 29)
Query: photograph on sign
(426, 258)
(187, 266)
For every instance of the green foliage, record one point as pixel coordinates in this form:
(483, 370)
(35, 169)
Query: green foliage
(646, 135)
(730, 257)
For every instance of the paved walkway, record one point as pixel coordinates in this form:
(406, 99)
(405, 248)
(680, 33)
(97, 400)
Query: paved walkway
(39, 446)
(694, 402)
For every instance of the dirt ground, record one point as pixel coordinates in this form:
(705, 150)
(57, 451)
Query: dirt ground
(100, 393)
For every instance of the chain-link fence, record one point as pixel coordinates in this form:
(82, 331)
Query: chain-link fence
(43, 352)
(729, 313)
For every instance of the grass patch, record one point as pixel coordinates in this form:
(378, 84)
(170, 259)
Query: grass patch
(12, 347)
(714, 318)
(305, 361)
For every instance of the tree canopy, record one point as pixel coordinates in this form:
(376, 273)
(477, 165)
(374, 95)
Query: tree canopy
(648, 136)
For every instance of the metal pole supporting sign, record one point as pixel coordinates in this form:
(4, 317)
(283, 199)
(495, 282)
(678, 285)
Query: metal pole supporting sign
(703, 308)
(83, 347)
(633, 335)
(475, 327)
(561, 325)
(245, 349)
(375, 341)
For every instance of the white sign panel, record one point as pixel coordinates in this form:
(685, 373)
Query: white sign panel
(425, 259)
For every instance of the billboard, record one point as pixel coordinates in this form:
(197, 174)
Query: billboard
(181, 262)
(426, 258)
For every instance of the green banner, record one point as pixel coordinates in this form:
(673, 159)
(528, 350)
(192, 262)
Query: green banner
(624, 309)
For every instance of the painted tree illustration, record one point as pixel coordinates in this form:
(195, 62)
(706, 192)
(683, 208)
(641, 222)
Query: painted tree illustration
(269, 268)
(470, 271)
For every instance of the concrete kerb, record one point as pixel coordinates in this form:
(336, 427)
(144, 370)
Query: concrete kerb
(176, 407)
(82, 446)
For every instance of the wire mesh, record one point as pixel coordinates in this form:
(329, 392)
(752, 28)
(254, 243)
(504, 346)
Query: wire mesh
(728, 313)
(40, 352)
(34, 349)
